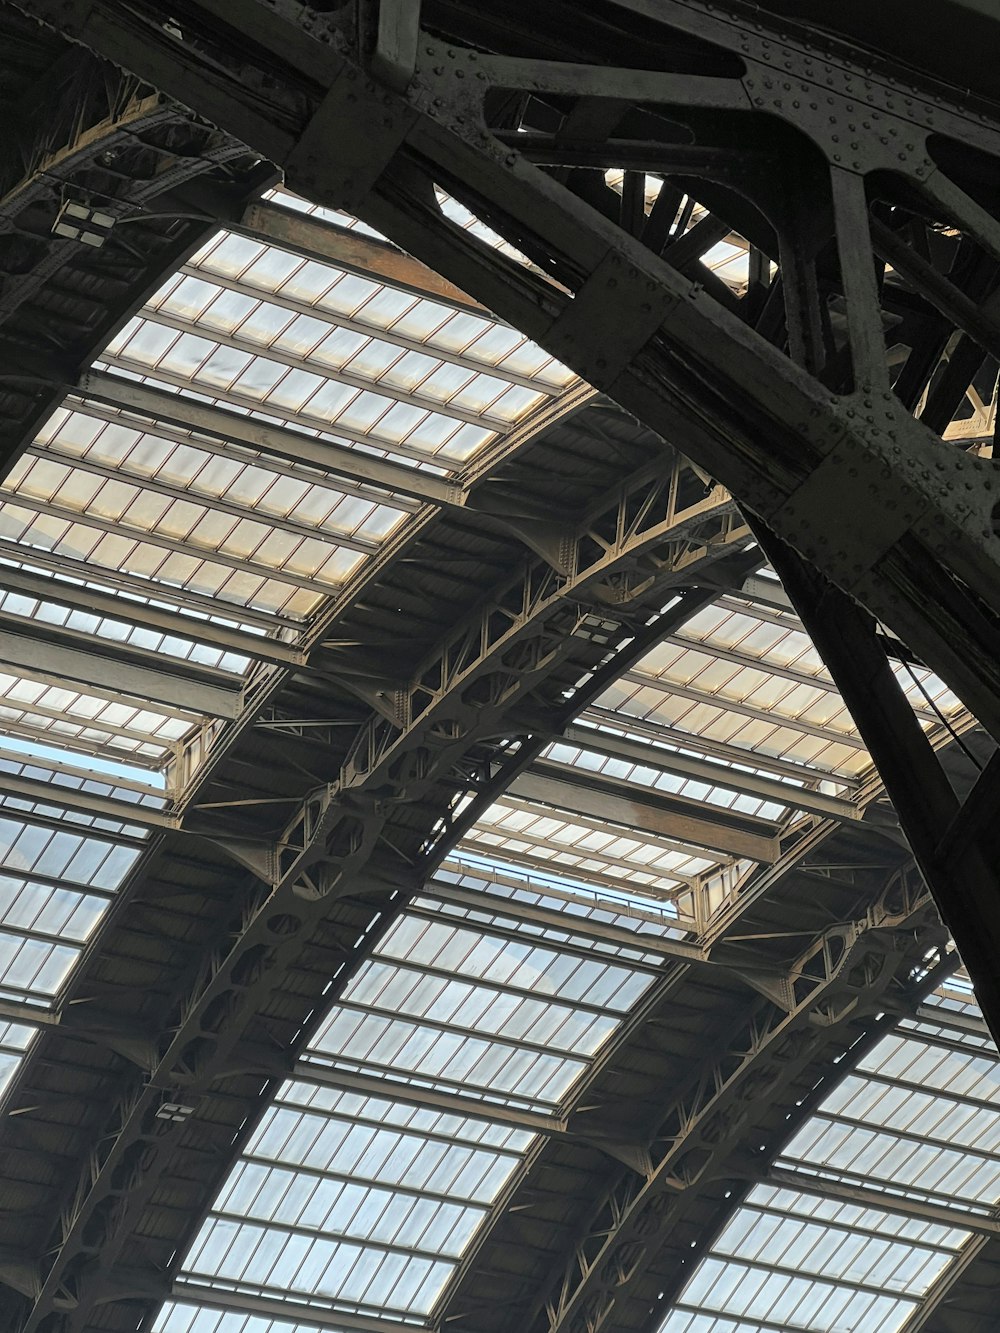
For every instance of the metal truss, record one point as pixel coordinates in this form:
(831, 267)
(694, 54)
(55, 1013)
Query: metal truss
(786, 395)
(87, 132)
(592, 595)
(949, 837)
(845, 970)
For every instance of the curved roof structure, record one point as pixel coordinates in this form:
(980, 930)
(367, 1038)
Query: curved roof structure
(497, 831)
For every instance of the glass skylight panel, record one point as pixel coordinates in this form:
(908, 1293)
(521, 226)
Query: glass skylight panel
(456, 1006)
(373, 308)
(501, 895)
(656, 779)
(56, 881)
(15, 1038)
(521, 831)
(291, 393)
(366, 1203)
(735, 721)
(59, 712)
(914, 1120)
(182, 1317)
(192, 526)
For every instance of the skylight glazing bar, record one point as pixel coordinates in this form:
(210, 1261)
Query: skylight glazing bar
(51, 590)
(217, 503)
(163, 319)
(138, 591)
(210, 555)
(283, 415)
(272, 441)
(725, 704)
(375, 332)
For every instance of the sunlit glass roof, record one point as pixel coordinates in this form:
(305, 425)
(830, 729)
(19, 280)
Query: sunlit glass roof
(365, 1203)
(879, 1192)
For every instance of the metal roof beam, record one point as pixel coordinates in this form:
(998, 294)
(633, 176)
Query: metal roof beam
(660, 734)
(351, 249)
(275, 441)
(602, 932)
(88, 802)
(551, 849)
(642, 810)
(716, 774)
(866, 1196)
(727, 705)
(91, 601)
(335, 320)
(285, 1308)
(454, 1103)
(88, 661)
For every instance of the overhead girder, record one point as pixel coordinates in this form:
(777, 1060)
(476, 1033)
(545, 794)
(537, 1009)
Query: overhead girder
(621, 803)
(948, 839)
(708, 771)
(844, 474)
(323, 241)
(656, 534)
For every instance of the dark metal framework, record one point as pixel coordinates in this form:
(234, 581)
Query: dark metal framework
(867, 199)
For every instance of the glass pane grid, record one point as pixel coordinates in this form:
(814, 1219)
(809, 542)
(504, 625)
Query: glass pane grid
(890, 1167)
(367, 1202)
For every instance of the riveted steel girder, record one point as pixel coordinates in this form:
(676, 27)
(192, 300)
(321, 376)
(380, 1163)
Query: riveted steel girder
(815, 441)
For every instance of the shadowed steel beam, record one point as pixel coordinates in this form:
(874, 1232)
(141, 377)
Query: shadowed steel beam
(866, 1196)
(88, 802)
(348, 248)
(705, 770)
(276, 441)
(850, 478)
(93, 602)
(643, 810)
(86, 660)
(454, 1103)
(215, 1298)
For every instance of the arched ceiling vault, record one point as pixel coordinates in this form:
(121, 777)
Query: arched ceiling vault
(425, 748)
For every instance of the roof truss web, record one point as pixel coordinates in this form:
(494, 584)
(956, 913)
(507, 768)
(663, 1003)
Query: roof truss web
(626, 742)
